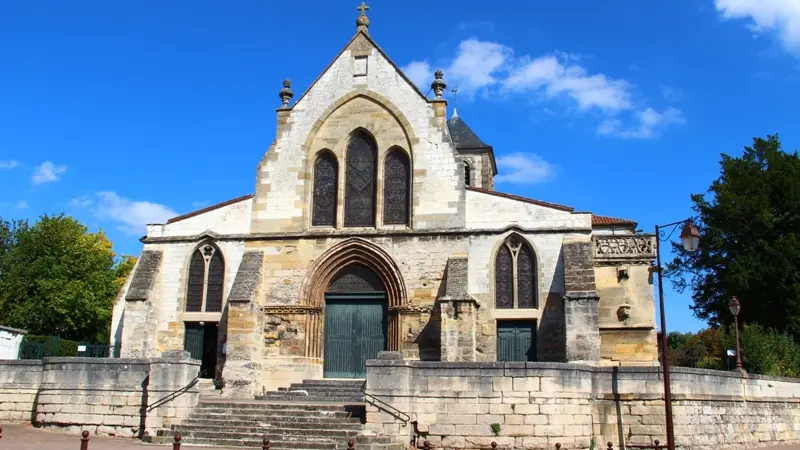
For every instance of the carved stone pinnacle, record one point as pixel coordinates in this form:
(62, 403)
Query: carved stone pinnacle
(286, 93)
(438, 84)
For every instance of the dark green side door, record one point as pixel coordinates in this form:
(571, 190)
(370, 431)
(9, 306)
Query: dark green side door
(516, 340)
(355, 331)
(193, 340)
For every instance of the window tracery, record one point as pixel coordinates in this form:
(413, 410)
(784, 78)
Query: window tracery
(360, 177)
(206, 278)
(396, 188)
(516, 280)
(326, 176)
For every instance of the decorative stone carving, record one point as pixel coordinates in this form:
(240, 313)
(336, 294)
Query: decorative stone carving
(412, 309)
(291, 309)
(438, 84)
(624, 312)
(626, 248)
(286, 93)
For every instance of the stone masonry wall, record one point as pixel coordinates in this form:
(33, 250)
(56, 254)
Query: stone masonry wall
(537, 405)
(103, 396)
(19, 384)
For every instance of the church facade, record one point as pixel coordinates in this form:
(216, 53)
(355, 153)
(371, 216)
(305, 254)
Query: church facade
(375, 226)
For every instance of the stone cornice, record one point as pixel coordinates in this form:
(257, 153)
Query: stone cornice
(291, 309)
(364, 233)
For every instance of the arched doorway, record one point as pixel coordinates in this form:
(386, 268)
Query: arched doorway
(356, 322)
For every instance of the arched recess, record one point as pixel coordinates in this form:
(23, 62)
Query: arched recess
(328, 266)
(396, 188)
(361, 180)
(205, 280)
(516, 274)
(326, 189)
(467, 173)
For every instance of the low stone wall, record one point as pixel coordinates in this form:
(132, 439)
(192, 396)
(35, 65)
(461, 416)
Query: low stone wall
(536, 405)
(19, 386)
(103, 396)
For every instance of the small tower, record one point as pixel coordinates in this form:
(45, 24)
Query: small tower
(286, 93)
(362, 23)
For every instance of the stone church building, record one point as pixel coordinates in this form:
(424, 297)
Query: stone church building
(375, 225)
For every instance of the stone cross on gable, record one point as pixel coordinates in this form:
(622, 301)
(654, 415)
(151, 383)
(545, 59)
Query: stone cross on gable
(363, 8)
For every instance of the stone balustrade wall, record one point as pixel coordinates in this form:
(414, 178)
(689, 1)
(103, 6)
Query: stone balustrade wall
(103, 396)
(537, 405)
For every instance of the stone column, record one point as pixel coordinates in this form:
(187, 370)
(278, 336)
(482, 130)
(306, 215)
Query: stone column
(245, 340)
(138, 327)
(580, 302)
(458, 314)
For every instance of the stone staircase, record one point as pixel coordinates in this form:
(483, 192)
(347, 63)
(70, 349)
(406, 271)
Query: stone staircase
(313, 415)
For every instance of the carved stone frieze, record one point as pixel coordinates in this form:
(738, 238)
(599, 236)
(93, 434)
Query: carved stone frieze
(614, 248)
(412, 309)
(291, 309)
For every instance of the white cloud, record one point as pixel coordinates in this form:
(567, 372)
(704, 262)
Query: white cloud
(490, 68)
(420, 73)
(10, 164)
(48, 172)
(524, 168)
(22, 204)
(778, 17)
(647, 124)
(131, 215)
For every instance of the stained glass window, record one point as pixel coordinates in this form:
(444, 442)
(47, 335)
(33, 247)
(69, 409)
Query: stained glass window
(205, 285)
(516, 282)
(504, 278)
(361, 174)
(396, 184)
(325, 186)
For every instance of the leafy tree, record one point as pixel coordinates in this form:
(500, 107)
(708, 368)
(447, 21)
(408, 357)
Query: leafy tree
(749, 225)
(123, 269)
(56, 278)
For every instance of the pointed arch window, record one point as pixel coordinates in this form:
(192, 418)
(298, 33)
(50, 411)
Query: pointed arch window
(467, 174)
(361, 179)
(515, 275)
(206, 280)
(326, 176)
(396, 188)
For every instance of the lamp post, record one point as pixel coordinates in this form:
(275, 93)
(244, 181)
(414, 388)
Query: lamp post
(734, 306)
(690, 239)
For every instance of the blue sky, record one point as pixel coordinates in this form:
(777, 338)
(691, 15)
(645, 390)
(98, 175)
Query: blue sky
(124, 113)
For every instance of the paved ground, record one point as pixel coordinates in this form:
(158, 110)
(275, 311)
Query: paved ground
(25, 437)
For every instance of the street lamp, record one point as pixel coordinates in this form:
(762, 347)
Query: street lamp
(734, 306)
(690, 239)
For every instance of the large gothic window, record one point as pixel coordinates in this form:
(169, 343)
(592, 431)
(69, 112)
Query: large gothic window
(359, 196)
(515, 275)
(206, 280)
(325, 187)
(396, 184)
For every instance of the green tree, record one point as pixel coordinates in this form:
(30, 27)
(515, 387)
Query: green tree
(749, 224)
(56, 278)
(123, 269)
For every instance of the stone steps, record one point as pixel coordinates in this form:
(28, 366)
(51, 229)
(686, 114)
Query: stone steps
(325, 416)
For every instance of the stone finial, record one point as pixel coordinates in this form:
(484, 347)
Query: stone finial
(438, 84)
(362, 23)
(286, 93)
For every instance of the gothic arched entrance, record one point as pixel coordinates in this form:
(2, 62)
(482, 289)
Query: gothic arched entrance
(356, 321)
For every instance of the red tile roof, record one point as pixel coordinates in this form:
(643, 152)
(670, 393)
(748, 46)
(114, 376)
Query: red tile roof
(604, 220)
(210, 208)
(521, 199)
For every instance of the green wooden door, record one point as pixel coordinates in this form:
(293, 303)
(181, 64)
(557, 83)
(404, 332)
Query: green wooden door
(193, 340)
(355, 331)
(516, 340)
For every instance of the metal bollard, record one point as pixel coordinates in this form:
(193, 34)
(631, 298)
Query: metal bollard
(85, 440)
(351, 445)
(1, 432)
(558, 445)
(494, 445)
(177, 444)
(610, 445)
(426, 445)
(656, 442)
(265, 444)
